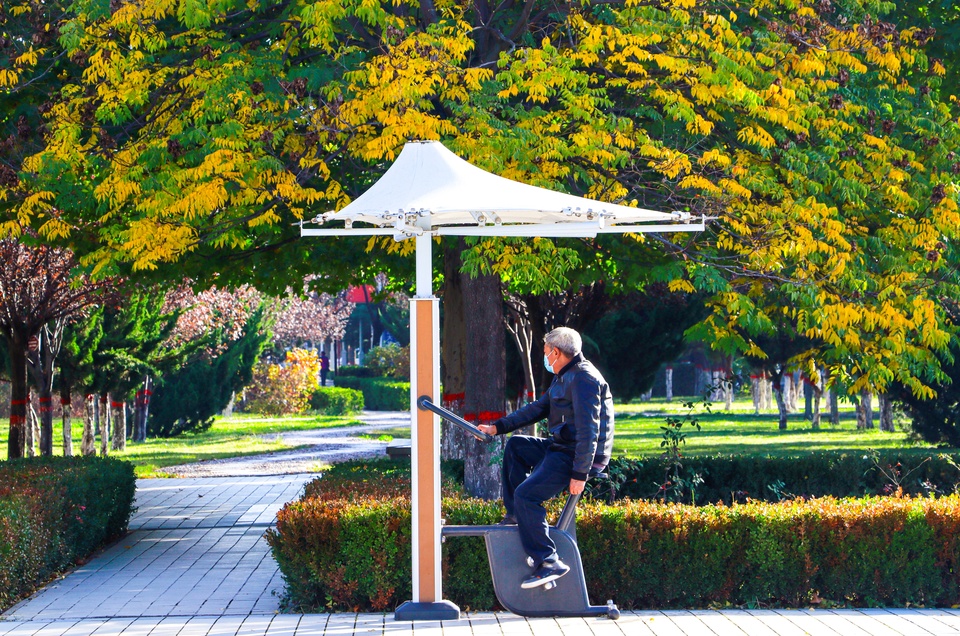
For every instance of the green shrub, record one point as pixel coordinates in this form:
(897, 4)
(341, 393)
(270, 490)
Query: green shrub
(336, 401)
(380, 394)
(55, 511)
(738, 478)
(391, 361)
(283, 389)
(350, 552)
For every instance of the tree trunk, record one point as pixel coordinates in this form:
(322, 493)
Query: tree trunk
(519, 325)
(142, 410)
(33, 431)
(485, 380)
(67, 423)
(453, 354)
(886, 414)
(865, 410)
(118, 415)
(766, 391)
(88, 443)
(103, 417)
(755, 392)
(835, 406)
(668, 377)
(817, 389)
(19, 397)
(728, 384)
(40, 362)
(781, 400)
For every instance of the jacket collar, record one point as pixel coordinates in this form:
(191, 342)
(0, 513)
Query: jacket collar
(577, 359)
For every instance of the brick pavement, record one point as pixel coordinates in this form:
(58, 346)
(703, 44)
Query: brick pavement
(195, 564)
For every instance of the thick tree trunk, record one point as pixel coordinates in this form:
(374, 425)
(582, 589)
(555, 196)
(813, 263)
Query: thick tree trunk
(485, 380)
(668, 377)
(67, 427)
(118, 415)
(103, 417)
(886, 414)
(755, 392)
(19, 397)
(46, 425)
(453, 354)
(835, 406)
(88, 443)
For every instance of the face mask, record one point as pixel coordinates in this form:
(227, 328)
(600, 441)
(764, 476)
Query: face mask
(546, 363)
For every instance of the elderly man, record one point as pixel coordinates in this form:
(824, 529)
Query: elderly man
(578, 408)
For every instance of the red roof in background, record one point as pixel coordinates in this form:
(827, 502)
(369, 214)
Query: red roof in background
(356, 294)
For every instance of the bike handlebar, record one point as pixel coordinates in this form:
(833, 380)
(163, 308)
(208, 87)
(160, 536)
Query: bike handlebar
(424, 403)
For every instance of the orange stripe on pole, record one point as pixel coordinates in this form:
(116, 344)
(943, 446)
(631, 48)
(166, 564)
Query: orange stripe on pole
(427, 476)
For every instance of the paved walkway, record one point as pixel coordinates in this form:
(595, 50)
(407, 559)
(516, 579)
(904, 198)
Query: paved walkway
(195, 564)
(320, 447)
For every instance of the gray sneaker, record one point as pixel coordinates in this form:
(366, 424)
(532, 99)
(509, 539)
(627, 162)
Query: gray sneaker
(548, 572)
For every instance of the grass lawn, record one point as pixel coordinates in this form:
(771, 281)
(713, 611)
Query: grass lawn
(740, 430)
(638, 433)
(234, 436)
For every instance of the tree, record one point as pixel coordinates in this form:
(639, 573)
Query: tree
(75, 363)
(642, 332)
(189, 397)
(137, 342)
(810, 128)
(308, 316)
(38, 286)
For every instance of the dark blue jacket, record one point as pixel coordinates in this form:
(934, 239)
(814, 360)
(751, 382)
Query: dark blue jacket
(578, 408)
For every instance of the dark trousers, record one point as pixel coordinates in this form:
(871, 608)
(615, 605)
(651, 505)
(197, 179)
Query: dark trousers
(523, 495)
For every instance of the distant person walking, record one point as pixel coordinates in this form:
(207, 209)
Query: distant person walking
(324, 368)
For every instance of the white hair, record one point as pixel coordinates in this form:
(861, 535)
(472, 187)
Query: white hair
(565, 339)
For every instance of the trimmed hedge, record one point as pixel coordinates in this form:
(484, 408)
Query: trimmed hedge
(54, 512)
(353, 553)
(737, 478)
(379, 394)
(336, 401)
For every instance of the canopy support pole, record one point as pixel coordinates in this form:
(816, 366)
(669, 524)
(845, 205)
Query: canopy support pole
(427, 603)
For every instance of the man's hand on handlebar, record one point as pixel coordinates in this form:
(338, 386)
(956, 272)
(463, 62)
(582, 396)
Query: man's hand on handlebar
(489, 429)
(576, 486)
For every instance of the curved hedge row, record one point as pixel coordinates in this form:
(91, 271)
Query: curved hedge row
(353, 553)
(55, 511)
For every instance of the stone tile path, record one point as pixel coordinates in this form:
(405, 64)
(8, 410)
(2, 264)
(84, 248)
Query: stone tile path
(195, 564)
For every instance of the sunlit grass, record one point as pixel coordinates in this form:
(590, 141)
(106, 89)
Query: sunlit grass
(234, 436)
(638, 433)
(741, 430)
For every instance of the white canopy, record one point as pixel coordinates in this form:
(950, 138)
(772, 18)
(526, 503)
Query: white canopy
(430, 189)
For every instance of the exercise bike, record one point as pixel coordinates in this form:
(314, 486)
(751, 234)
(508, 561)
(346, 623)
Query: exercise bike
(510, 565)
